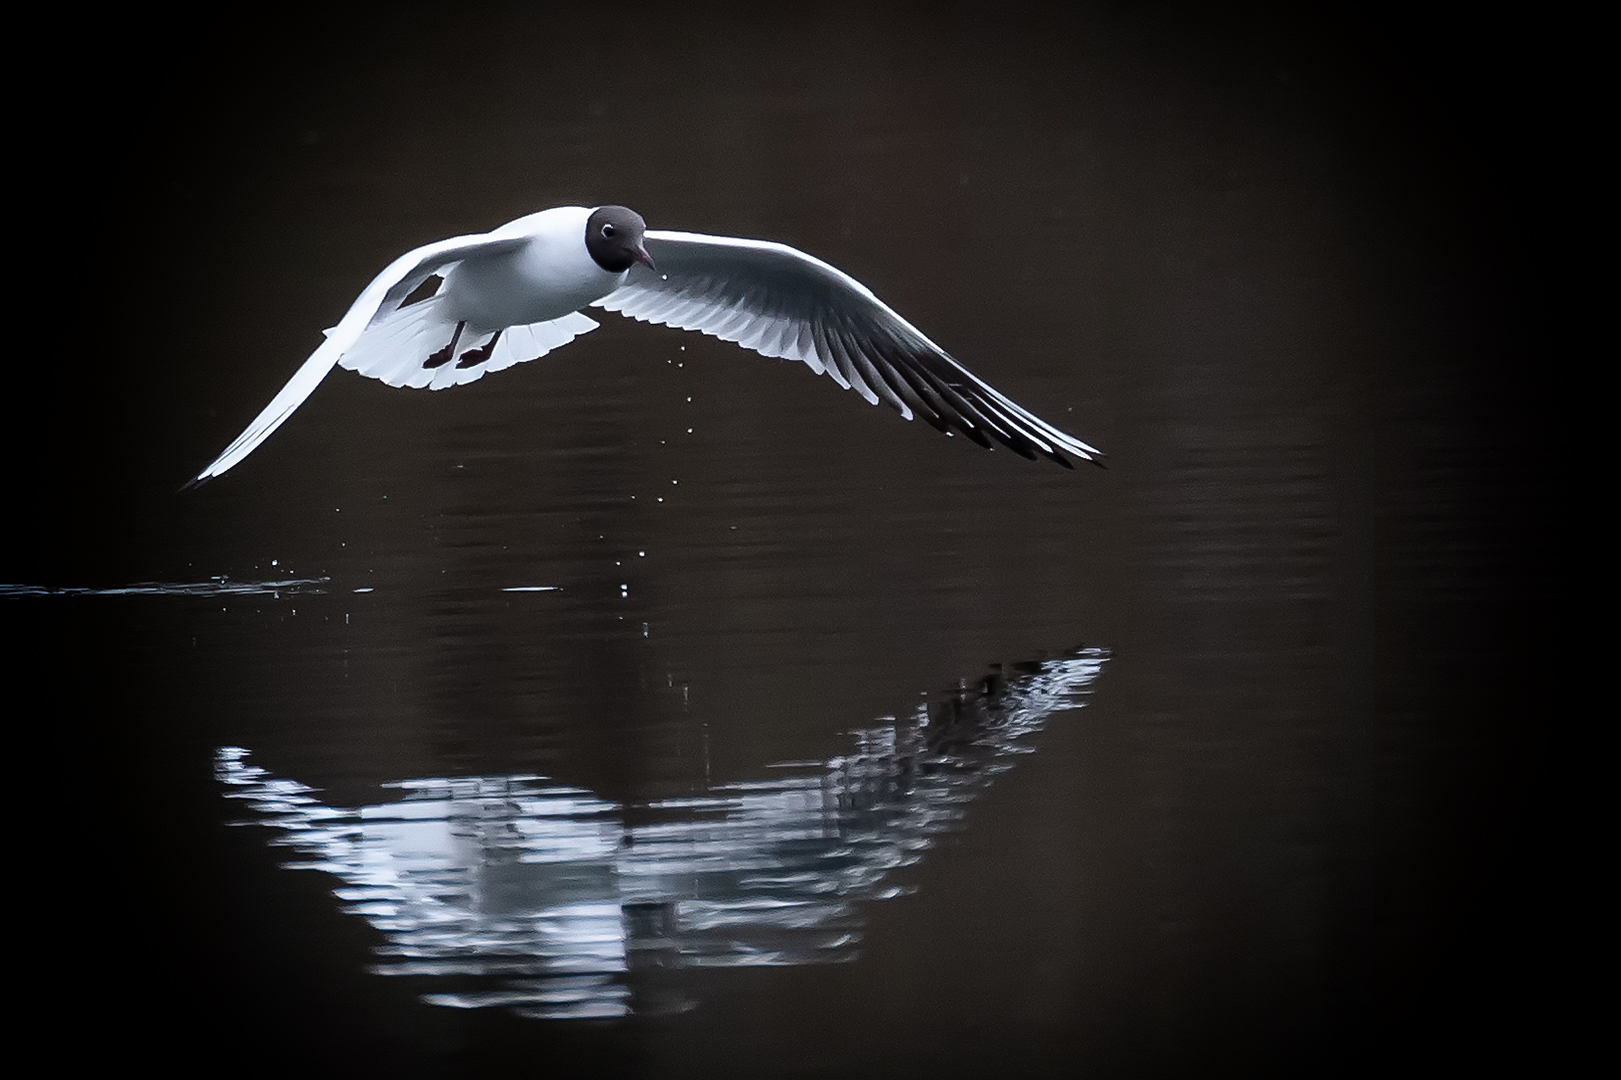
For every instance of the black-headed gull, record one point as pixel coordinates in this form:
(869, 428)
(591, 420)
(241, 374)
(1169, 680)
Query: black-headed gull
(515, 294)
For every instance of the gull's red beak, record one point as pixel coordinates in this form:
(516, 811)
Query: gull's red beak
(643, 257)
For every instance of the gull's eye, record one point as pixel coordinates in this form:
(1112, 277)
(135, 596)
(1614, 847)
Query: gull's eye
(608, 231)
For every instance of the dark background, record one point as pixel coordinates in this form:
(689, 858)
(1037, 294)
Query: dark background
(1408, 165)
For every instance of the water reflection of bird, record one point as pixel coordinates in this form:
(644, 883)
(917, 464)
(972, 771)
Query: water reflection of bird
(518, 892)
(515, 294)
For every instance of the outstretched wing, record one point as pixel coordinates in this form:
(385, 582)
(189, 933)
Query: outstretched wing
(382, 296)
(781, 302)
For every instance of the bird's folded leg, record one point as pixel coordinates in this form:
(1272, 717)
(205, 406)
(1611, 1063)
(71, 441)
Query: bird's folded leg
(442, 357)
(475, 357)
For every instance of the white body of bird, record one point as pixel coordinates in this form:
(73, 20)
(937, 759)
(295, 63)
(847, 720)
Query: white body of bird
(548, 277)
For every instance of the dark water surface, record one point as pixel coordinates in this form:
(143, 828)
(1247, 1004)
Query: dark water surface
(656, 709)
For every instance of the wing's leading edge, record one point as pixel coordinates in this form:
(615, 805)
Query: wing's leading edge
(780, 302)
(383, 295)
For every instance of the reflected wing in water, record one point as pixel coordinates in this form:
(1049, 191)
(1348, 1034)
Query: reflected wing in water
(544, 893)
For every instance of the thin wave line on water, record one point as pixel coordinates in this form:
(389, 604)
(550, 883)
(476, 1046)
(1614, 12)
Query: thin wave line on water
(219, 586)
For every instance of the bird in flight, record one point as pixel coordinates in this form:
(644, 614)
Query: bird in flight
(516, 293)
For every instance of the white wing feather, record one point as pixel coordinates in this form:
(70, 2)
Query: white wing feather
(382, 296)
(780, 302)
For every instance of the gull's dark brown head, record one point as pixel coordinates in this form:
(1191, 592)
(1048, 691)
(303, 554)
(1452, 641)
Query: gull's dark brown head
(613, 236)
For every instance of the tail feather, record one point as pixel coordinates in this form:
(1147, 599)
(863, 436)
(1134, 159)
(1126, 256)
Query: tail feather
(396, 349)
